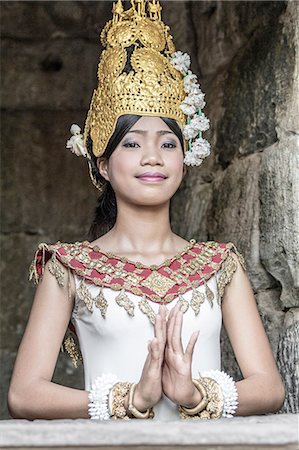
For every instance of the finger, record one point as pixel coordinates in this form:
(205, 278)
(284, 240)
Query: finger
(154, 350)
(170, 327)
(157, 321)
(177, 333)
(164, 318)
(172, 311)
(159, 331)
(170, 316)
(191, 344)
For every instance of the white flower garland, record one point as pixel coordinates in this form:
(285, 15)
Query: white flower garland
(98, 408)
(228, 386)
(192, 105)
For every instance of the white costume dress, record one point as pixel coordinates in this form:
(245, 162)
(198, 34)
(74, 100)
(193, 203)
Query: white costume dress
(113, 325)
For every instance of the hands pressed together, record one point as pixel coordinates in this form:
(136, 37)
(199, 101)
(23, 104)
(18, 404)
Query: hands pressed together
(167, 367)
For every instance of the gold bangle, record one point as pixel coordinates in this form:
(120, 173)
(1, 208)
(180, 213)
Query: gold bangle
(148, 414)
(120, 391)
(214, 407)
(203, 402)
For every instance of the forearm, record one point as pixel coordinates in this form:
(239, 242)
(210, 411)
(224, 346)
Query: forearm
(47, 400)
(256, 395)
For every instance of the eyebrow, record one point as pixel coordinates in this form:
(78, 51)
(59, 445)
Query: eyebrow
(161, 132)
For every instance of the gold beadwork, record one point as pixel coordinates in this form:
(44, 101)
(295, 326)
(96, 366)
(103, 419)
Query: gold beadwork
(119, 92)
(120, 391)
(72, 348)
(197, 300)
(123, 300)
(85, 295)
(225, 277)
(106, 268)
(158, 283)
(56, 270)
(101, 303)
(209, 295)
(184, 303)
(146, 308)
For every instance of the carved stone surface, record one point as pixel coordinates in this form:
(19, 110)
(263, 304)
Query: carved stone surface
(288, 360)
(279, 220)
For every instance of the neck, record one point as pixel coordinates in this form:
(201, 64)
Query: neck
(142, 229)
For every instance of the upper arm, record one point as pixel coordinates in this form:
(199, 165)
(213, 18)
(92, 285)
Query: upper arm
(245, 328)
(48, 320)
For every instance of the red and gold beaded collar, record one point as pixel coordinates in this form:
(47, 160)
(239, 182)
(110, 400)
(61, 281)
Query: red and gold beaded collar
(159, 283)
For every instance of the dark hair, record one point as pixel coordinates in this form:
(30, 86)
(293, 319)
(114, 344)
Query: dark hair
(106, 210)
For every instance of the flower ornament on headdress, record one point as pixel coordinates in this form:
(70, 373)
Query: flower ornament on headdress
(75, 143)
(140, 72)
(192, 105)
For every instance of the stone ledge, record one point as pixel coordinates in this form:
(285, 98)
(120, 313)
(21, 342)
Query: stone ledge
(271, 431)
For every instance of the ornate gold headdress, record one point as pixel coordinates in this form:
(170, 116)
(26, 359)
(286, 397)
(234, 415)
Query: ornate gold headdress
(140, 72)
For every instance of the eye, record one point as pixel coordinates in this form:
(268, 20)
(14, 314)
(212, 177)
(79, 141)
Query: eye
(170, 143)
(129, 144)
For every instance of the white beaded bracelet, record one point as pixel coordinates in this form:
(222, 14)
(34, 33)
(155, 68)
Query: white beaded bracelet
(98, 408)
(228, 386)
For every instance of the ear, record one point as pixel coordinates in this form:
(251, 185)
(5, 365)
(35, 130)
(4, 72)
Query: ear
(102, 165)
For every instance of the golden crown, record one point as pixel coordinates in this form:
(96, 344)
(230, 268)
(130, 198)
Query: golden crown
(152, 87)
(140, 72)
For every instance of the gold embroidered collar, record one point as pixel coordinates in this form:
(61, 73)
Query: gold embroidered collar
(159, 283)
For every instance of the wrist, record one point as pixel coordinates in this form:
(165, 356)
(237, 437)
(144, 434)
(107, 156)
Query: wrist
(139, 402)
(193, 401)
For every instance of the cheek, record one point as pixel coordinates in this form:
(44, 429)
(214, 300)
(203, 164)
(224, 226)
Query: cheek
(176, 164)
(121, 166)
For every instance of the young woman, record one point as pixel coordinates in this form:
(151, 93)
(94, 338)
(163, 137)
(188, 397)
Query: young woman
(145, 305)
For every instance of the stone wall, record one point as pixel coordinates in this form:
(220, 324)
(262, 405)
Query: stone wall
(246, 192)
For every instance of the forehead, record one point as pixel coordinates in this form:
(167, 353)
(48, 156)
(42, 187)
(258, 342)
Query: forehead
(150, 123)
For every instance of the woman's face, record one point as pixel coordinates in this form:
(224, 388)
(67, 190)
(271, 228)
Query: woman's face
(149, 146)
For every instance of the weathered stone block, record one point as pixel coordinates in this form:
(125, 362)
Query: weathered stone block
(233, 215)
(192, 203)
(52, 19)
(47, 75)
(252, 92)
(272, 318)
(227, 27)
(288, 360)
(45, 188)
(279, 216)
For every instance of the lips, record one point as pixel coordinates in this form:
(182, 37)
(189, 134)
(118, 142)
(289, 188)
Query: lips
(152, 176)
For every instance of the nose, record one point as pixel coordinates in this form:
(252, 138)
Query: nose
(151, 155)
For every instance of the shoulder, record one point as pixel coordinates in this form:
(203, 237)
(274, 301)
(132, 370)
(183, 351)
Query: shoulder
(60, 253)
(231, 264)
(219, 252)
